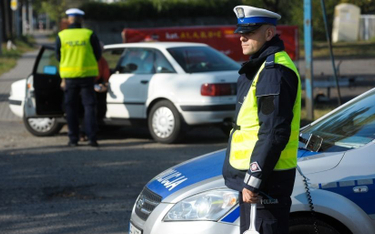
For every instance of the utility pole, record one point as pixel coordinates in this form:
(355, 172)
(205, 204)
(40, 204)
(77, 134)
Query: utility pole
(309, 103)
(1, 29)
(17, 21)
(48, 26)
(14, 5)
(24, 19)
(31, 24)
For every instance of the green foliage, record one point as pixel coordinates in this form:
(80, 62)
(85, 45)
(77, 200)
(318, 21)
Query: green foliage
(156, 9)
(9, 57)
(296, 14)
(367, 6)
(297, 17)
(55, 9)
(292, 11)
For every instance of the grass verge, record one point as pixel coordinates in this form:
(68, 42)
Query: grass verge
(320, 109)
(9, 58)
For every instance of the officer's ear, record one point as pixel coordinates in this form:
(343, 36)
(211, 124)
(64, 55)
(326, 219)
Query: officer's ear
(270, 32)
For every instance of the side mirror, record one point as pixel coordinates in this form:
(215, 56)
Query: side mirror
(314, 143)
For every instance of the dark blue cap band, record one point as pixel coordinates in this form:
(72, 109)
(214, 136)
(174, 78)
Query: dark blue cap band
(257, 20)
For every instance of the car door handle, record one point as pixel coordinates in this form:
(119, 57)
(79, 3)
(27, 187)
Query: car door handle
(144, 81)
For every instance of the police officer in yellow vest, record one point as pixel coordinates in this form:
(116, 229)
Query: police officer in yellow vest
(261, 156)
(78, 50)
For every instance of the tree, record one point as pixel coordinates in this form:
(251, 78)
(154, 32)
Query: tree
(1, 30)
(55, 9)
(6, 19)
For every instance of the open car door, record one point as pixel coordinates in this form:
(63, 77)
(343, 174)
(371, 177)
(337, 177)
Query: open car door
(46, 82)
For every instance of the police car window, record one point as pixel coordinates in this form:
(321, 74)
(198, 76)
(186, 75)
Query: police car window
(350, 127)
(48, 63)
(202, 59)
(161, 64)
(112, 56)
(137, 61)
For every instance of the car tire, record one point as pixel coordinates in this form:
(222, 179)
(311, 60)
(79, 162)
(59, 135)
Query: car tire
(305, 225)
(42, 126)
(165, 122)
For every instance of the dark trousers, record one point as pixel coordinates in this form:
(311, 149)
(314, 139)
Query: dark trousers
(74, 89)
(273, 212)
(101, 99)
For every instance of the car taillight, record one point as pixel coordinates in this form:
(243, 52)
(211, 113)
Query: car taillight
(218, 89)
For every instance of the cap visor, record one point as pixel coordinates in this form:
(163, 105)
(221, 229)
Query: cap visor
(247, 29)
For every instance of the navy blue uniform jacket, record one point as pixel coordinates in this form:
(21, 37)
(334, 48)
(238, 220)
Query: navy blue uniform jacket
(276, 93)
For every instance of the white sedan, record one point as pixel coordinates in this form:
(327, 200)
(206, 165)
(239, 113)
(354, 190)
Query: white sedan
(167, 86)
(334, 188)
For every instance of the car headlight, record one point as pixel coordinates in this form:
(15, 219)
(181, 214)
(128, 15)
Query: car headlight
(210, 205)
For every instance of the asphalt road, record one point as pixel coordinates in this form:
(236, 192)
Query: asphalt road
(47, 187)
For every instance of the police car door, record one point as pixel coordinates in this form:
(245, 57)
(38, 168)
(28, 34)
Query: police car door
(44, 97)
(129, 84)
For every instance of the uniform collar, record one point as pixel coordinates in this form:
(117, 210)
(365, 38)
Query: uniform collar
(75, 25)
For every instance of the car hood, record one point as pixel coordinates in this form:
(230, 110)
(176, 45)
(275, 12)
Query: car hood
(210, 165)
(187, 173)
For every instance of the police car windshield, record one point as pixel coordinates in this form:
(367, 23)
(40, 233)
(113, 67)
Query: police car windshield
(202, 59)
(350, 127)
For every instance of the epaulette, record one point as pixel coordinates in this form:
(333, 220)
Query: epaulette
(270, 61)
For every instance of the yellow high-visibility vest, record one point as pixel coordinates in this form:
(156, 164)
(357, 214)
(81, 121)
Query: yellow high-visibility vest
(244, 139)
(77, 55)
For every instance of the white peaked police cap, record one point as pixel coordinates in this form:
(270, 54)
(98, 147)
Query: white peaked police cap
(250, 18)
(75, 12)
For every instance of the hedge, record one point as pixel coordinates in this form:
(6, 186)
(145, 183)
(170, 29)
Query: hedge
(151, 9)
(291, 10)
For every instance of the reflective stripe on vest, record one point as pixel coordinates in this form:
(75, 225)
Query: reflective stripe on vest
(244, 139)
(77, 55)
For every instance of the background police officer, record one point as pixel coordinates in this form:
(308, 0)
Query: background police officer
(262, 152)
(78, 51)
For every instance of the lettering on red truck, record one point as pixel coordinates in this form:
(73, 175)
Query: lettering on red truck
(171, 36)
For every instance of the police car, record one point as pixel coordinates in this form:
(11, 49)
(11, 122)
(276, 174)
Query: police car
(334, 187)
(168, 86)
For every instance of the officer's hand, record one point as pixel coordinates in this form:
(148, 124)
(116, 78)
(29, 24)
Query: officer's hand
(62, 84)
(100, 88)
(249, 197)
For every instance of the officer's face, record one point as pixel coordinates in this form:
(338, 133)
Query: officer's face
(252, 42)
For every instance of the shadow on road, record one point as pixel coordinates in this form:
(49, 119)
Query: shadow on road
(197, 135)
(58, 189)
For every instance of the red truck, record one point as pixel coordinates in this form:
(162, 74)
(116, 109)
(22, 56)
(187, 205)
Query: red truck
(221, 38)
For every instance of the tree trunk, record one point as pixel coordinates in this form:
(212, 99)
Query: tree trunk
(1, 28)
(8, 21)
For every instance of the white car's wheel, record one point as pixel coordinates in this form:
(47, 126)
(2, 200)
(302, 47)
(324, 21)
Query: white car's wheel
(42, 126)
(164, 122)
